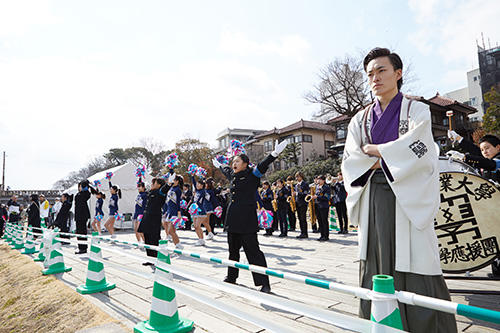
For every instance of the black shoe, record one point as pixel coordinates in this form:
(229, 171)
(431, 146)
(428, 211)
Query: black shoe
(265, 289)
(80, 252)
(147, 263)
(282, 235)
(493, 276)
(268, 234)
(291, 229)
(315, 231)
(302, 236)
(228, 280)
(345, 232)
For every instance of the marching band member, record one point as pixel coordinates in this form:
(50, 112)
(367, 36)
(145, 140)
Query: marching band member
(339, 198)
(391, 175)
(187, 195)
(241, 217)
(267, 197)
(322, 199)
(282, 196)
(292, 219)
(301, 191)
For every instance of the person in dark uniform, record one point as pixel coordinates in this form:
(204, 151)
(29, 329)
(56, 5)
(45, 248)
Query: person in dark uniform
(187, 195)
(82, 212)
(34, 212)
(322, 199)
(3, 218)
(267, 197)
(150, 225)
(140, 204)
(339, 198)
(14, 210)
(282, 195)
(292, 218)
(62, 218)
(301, 190)
(241, 218)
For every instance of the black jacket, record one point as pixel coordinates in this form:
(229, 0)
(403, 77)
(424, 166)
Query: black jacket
(339, 192)
(82, 211)
(474, 158)
(151, 220)
(301, 191)
(62, 217)
(34, 215)
(241, 216)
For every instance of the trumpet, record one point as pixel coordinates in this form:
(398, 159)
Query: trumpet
(311, 203)
(275, 201)
(308, 198)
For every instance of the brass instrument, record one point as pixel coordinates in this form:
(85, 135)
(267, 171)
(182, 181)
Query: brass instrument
(275, 201)
(311, 203)
(291, 199)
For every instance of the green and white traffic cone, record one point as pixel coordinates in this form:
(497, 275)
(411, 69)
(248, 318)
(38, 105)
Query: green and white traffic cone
(18, 240)
(13, 234)
(164, 315)
(29, 247)
(6, 234)
(44, 246)
(96, 280)
(333, 220)
(42, 222)
(55, 260)
(385, 308)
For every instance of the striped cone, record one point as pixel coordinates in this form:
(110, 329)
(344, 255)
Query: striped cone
(18, 240)
(6, 234)
(42, 222)
(385, 310)
(55, 260)
(44, 246)
(96, 280)
(29, 247)
(333, 219)
(13, 235)
(164, 315)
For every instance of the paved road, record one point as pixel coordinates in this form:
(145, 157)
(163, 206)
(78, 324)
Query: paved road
(335, 260)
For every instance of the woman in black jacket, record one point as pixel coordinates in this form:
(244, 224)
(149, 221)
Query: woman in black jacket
(34, 212)
(82, 212)
(62, 218)
(241, 217)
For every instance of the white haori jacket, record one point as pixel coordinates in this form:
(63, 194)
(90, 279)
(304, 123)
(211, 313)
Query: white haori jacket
(412, 160)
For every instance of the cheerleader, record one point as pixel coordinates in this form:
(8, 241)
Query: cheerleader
(116, 194)
(211, 203)
(140, 205)
(282, 194)
(173, 209)
(267, 197)
(99, 214)
(187, 195)
(241, 218)
(200, 198)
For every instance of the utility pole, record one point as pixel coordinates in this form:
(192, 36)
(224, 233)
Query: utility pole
(3, 173)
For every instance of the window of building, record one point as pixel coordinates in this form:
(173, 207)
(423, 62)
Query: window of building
(307, 138)
(341, 131)
(290, 139)
(298, 138)
(473, 101)
(268, 146)
(475, 78)
(445, 121)
(328, 144)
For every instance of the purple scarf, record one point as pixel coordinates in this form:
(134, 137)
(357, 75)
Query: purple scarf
(385, 124)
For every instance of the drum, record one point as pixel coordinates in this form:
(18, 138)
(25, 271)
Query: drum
(447, 164)
(466, 224)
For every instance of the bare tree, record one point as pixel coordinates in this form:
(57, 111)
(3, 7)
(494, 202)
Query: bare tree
(342, 88)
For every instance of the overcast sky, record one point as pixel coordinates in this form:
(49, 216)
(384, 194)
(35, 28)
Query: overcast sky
(80, 77)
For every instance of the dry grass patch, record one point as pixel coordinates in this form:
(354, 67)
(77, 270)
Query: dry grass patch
(32, 302)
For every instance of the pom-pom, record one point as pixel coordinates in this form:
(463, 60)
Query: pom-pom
(184, 204)
(139, 218)
(265, 218)
(99, 217)
(178, 222)
(109, 175)
(218, 211)
(201, 172)
(141, 171)
(97, 183)
(172, 160)
(118, 217)
(222, 159)
(194, 209)
(236, 148)
(192, 168)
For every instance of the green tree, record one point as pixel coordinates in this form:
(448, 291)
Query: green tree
(291, 153)
(491, 119)
(310, 170)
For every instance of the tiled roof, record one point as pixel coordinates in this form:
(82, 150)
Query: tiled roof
(297, 125)
(449, 103)
(338, 119)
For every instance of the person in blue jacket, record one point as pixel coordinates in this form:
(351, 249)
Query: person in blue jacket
(116, 194)
(172, 208)
(200, 198)
(99, 213)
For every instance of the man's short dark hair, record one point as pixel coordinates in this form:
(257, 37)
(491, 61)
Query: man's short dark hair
(491, 139)
(394, 58)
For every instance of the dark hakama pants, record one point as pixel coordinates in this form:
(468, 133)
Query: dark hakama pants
(381, 260)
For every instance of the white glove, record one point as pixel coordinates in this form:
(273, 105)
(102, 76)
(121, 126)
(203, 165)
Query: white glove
(454, 136)
(216, 163)
(278, 148)
(171, 178)
(455, 155)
